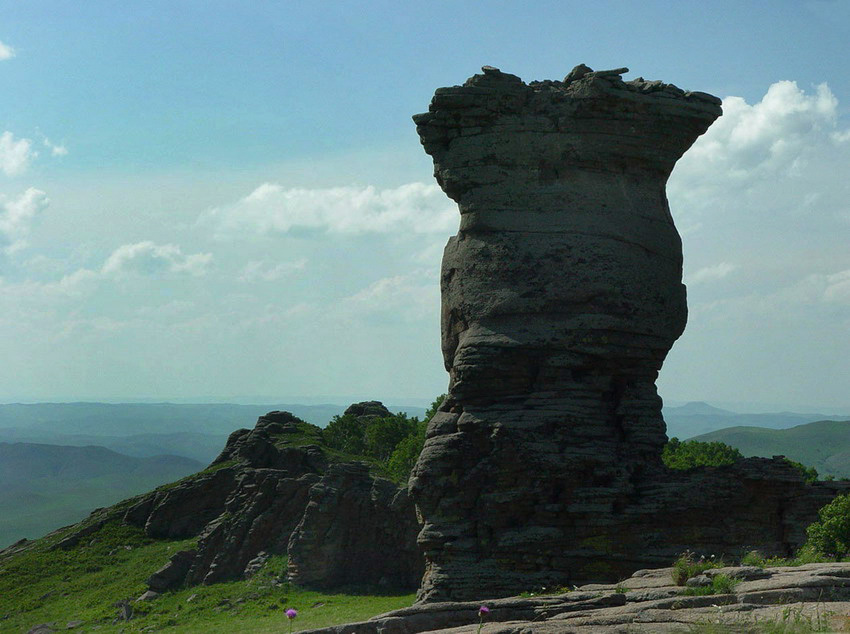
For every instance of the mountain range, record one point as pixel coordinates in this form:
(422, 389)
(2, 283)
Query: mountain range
(696, 418)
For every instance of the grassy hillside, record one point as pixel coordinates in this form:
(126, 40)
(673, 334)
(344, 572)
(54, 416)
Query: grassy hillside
(84, 584)
(690, 420)
(824, 445)
(47, 486)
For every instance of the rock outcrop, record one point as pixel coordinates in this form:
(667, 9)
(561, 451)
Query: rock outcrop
(274, 490)
(813, 597)
(562, 295)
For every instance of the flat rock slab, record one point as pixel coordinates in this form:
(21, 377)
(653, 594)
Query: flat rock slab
(814, 595)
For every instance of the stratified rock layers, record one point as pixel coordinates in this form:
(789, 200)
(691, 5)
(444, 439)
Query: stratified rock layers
(562, 294)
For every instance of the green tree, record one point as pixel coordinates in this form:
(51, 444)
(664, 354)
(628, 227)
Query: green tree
(346, 433)
(406, 454)
(810, 474)
(434, 407)
(382, 435)
(693, 453)
(830, 535)
(407, 451)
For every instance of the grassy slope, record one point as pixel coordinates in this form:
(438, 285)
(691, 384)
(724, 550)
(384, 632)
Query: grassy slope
(824, 445)
(84, 583)
(43, 586)
(46, 486)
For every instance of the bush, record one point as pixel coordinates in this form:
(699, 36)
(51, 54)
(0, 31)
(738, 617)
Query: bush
(720, 584)
(686, 567)
(346, 433)
(693, 453)
(830, 535)
(407, 451)
(809, 474)
(382, 435)
(405, 455)
(393, 441)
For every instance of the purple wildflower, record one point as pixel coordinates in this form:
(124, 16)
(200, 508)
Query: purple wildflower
(291, 613)
(482, 612)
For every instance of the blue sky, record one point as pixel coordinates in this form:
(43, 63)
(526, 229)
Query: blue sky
(222, 199)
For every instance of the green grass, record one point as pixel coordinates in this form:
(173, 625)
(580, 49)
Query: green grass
(806, 555)
(309, 434)
(84, 583)
(720, 584)
(686, 567)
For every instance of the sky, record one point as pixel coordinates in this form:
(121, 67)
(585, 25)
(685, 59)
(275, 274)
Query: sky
(209, 200)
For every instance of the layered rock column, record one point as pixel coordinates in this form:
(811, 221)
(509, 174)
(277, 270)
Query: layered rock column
(562, 294)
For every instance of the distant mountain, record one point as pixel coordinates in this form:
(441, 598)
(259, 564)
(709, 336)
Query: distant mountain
(47, 486)
(693, 419)
(824, 445)
(130, 419)
(201, 447)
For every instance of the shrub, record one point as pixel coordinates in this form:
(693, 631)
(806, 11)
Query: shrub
(693, 453)
(435, 405)
(686, 567)
(720, 584)
(809, 474)
(346, 433)
(382, 435)
(406, 454)
(830, 535)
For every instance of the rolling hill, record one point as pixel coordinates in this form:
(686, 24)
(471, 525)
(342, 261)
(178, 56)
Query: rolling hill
(692, 419)
(824, 445)
(47, 486)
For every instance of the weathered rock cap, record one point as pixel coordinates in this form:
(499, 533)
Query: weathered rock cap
(367, 408)
(592, 120)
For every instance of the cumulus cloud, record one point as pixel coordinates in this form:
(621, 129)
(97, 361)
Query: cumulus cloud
(762, 177)
(6, 51)
(148, 258)
(711, 273)
(752, 141)
(411, 208)
(15, 154)
(263, 271)
(16, 216)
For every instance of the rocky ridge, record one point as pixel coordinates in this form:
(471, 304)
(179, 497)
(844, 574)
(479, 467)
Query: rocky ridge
(648, 601)
(277, 489)
(562, 294)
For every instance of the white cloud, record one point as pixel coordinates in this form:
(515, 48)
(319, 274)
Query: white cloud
(711, 273)
(16, 216)
(15, 154)
(838, 287)
(6, 51)
(148, 258)
(55, 149)
(767, 137)
(412, 295)
(263, 271)
(410, 208)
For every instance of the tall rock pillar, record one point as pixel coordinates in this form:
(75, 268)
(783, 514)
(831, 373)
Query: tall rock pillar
(561, 296)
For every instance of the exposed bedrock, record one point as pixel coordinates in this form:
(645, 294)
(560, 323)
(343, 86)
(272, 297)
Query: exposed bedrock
(278, 489)
(561, 296)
